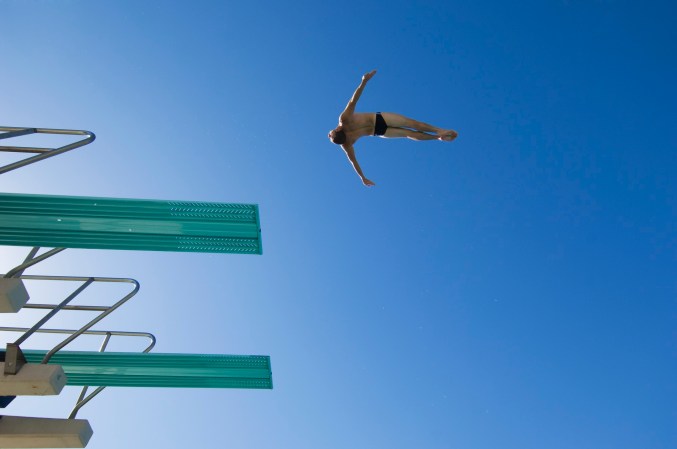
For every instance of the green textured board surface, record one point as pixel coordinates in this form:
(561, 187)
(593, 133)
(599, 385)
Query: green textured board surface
(128, 224)
(121, 369)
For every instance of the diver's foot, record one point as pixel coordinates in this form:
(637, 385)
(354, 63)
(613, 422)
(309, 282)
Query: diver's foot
(448, 136)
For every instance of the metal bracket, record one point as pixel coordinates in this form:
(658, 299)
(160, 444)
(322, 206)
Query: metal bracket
(14, 359)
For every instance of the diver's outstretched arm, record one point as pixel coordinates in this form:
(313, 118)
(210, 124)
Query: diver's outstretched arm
(350, 152)
(350, 108)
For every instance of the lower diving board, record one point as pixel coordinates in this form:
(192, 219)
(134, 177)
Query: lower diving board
(122, 369)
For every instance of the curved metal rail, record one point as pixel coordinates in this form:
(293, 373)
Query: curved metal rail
(31, 260)
(105, 310)
(14, 357)
(83, 398)
(42, 153)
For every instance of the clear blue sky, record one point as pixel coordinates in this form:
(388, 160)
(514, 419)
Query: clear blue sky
(514, 289)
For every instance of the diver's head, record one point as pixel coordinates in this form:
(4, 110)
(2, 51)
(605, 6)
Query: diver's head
(337, 135)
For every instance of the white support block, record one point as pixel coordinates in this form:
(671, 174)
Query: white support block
(33, 379)
(17, 431)
(13, 295)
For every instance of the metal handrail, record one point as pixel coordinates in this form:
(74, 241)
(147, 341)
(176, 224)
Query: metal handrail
(43, 153)
(151, 337)
(82, 399)
(14, 360)
(53, 312)
(56, 308)
(31, 260)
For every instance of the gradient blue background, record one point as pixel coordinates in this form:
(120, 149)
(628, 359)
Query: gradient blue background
(513, 289)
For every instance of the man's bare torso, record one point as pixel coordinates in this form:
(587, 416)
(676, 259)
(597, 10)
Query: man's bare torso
(358, 124)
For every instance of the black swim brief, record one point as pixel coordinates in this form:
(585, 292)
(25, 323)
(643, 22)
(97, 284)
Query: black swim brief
(380, 126)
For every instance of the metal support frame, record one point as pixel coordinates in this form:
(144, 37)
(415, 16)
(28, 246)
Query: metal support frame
(13, 355)
(83, 398)
(42, 153)
(31, 260)
(63, 305)
(12, 364)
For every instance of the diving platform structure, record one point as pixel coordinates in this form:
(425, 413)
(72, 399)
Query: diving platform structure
(62, 222)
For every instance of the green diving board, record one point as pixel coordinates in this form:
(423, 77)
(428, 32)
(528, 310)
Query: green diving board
(128, 224)
(122, 369)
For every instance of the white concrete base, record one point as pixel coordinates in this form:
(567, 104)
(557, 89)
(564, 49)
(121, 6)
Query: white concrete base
(33, 379)
(17, 431)
(13, 295)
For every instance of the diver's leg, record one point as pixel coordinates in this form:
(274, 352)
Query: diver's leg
(400, 121)
(393, 132)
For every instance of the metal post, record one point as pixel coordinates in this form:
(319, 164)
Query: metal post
(14, 359)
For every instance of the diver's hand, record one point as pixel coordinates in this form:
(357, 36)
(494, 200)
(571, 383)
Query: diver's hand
(366, 77)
